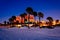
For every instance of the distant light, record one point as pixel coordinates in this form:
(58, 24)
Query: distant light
(43, 21)
(18, 25)
(30, 25)
(54, 22)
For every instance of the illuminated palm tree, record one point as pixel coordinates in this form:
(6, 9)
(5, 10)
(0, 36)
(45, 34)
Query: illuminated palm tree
(29, 10)
(34, 14)
(23, 16)
(50, 21)
(40, 15)
(57, 22)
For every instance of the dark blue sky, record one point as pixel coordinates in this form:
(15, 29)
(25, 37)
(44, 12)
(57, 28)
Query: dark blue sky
(16, 7)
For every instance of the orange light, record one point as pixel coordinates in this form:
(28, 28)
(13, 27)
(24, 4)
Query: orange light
(31, 17)
(43, 21)
(54, 22)
(18, 18)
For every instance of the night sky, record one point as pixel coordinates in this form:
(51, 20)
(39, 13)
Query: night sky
(9, 8)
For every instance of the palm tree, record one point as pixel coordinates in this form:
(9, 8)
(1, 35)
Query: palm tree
(13, 17)
(57, 21)
(10, 20)
(50, 21)
(7, 22)
(29, 10)
(4, 22)
(40, 15)
(34, 14)
(23, 16)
